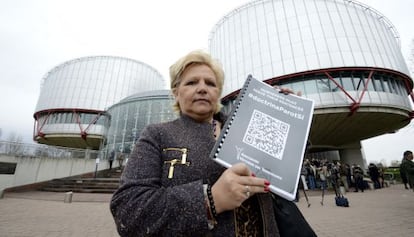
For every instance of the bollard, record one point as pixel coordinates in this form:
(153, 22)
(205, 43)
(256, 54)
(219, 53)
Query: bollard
(68, 197)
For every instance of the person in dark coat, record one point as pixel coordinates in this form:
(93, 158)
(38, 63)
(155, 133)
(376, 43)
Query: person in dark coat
(374, 175)
(111, 159)
(408, 168)
(358, 178)
(403, 172)
(170, 186)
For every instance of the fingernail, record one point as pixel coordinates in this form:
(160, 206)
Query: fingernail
(253, 175)
(267, 183)
(266, 189)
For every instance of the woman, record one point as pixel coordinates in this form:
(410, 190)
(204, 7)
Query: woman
(170, 186)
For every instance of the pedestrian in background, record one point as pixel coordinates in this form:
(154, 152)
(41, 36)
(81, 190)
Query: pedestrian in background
(111, 159)
(374, 175)
(408, 167)
(358, 178)
(403, 173)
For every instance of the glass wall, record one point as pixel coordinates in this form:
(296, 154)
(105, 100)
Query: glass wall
(349, 81)
(131, 115)
(380, 88)
(73, 117)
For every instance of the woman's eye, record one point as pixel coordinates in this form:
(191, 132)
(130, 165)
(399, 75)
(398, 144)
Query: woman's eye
(190, 83)
(211, 83)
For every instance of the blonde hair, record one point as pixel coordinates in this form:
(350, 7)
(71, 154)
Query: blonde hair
(196, 57)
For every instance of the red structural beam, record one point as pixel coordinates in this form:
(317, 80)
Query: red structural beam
(76, 112)
(356, 102)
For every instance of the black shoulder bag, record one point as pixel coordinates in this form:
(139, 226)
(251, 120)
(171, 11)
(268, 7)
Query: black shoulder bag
(290, 220)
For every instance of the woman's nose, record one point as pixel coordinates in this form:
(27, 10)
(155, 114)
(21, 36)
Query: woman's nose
(201, 87)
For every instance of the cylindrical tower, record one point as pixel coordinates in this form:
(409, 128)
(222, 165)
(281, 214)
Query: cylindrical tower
(341, 53)
(74, 96)
(132, 114)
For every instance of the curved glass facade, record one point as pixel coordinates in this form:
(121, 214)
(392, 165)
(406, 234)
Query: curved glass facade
(342, 54)
(132, 114)
(96, 82)
(271, 38)
(75, 95)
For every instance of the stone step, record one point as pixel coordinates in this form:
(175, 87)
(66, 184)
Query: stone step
(85, 180)
(101, 184)
(92, 186)
(79, 190)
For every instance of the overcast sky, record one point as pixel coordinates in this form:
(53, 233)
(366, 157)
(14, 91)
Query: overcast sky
(36, 36)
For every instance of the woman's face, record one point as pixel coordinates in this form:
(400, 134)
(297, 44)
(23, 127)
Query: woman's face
(198, 93)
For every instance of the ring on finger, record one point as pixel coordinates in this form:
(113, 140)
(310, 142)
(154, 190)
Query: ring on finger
(247, 187)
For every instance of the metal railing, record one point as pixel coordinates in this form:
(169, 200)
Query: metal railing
(39, 150)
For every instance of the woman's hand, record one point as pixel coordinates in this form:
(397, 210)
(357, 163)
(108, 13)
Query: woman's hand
(235, 185)
(286, 91)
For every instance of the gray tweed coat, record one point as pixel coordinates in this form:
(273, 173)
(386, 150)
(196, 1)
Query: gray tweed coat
(148, 203)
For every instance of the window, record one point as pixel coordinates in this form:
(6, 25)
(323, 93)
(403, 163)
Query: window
(323, 85)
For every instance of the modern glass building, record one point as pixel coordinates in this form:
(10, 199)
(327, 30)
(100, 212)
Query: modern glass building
(343, 54)
(132, 114)
(71, 110)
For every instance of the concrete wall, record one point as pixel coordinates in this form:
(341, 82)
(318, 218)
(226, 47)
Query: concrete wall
(352, 154)
(35, 170)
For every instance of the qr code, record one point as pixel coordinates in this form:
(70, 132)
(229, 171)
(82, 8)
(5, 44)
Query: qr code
(266, 134)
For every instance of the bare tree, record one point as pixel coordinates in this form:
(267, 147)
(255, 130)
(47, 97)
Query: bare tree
(15, 145)
(395, 163)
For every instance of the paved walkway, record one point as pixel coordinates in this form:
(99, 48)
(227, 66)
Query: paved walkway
(374, 213)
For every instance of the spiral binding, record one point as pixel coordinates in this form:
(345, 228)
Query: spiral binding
(233, 114)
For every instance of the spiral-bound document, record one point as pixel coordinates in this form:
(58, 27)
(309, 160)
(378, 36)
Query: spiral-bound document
(268, 131)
